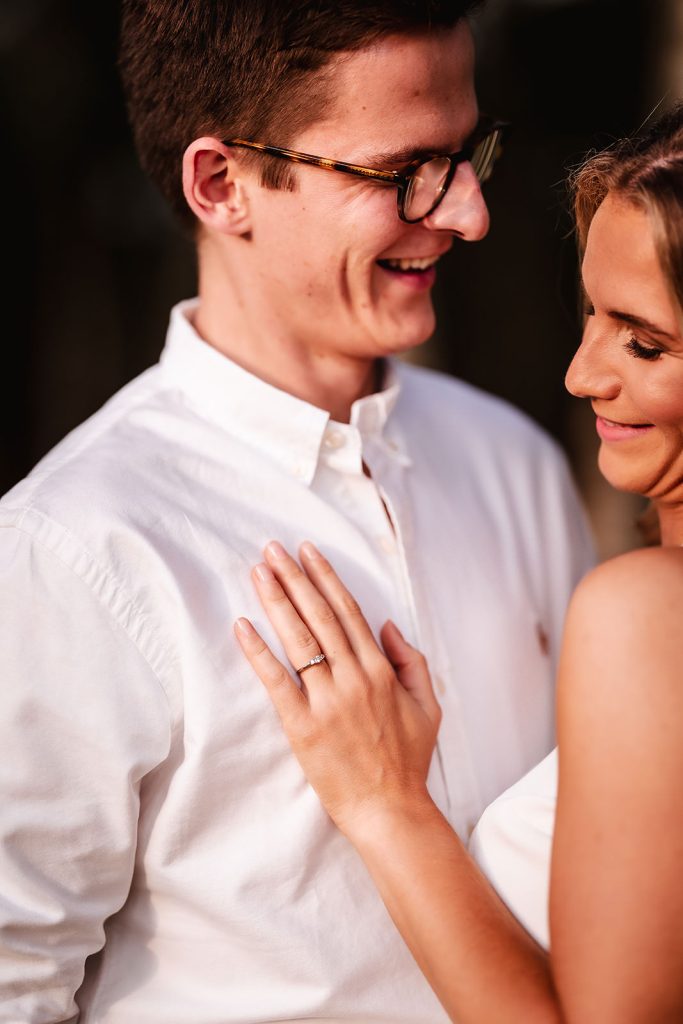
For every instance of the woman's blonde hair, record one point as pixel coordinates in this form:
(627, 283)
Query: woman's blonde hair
(646, 171)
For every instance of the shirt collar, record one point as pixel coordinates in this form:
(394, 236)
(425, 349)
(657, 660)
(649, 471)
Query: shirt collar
(289, 430)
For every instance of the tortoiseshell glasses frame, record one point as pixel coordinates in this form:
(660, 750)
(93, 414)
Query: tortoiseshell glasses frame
(430, 175)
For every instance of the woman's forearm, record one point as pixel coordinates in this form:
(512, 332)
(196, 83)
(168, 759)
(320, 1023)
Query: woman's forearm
(484, 967)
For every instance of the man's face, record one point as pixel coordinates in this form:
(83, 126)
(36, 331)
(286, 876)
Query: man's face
(326, 256)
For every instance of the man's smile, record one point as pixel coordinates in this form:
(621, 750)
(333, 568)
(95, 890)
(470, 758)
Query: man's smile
(417, 272)
(409, 264)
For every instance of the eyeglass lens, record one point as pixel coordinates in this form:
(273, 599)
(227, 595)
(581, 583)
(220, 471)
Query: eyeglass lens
(425, 186)
(484, 155)
(427, 182)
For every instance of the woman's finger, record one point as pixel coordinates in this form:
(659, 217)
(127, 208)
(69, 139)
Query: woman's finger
(310, 604)
(290, 703)
(300, 645)
(342, 602)
(411, 668)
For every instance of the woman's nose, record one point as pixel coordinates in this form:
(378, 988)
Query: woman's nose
(591, 373)
(463, 210)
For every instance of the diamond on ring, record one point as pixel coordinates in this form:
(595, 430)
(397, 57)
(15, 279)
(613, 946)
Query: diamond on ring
(314, 661)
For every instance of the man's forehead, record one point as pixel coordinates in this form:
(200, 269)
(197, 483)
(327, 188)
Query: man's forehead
(402, 96)
(416, 64)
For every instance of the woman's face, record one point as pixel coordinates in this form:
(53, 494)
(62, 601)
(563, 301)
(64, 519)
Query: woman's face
(630, 362)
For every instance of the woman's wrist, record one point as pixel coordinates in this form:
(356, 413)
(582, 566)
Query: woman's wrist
(376, 823)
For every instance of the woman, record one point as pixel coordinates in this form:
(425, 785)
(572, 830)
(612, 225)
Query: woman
(364, 724)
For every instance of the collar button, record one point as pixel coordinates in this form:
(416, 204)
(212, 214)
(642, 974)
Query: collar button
(334, 439)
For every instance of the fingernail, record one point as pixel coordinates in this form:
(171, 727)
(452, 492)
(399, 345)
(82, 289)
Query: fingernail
(396, 629)
(264, 573)
(276, 549)
(244, 627)
(309, 550)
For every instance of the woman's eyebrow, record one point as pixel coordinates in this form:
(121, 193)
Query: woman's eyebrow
(630, 318)
(639, 322)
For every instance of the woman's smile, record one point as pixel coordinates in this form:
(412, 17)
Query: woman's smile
(612, 430)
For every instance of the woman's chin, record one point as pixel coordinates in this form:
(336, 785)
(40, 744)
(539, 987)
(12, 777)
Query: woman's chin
(622, 477)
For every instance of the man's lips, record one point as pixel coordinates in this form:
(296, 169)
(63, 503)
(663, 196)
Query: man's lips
(612, 430)
(408, 264)
(412, 262)
(417, 272)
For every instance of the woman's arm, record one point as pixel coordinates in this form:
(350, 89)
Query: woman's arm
(364, 735)
(484, 967)
(616, 899)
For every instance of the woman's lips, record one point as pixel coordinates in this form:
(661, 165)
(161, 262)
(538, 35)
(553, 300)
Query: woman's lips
(608, 430)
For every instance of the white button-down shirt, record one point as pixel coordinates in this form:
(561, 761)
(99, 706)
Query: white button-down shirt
(151, 807)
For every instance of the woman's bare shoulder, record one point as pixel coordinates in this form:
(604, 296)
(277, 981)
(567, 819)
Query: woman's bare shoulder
(642, 582)
(616, 900)
(623, 637)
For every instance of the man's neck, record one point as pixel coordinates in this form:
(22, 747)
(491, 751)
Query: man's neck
(328, 380)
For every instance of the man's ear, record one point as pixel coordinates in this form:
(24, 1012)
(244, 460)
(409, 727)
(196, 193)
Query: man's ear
(215, 188)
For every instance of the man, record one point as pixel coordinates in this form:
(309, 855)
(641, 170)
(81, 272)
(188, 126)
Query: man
(152, 810)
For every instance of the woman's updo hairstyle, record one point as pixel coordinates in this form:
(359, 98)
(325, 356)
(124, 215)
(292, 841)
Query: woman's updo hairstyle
(647, 172)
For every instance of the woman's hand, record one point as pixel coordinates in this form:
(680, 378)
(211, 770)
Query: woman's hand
(363, 724)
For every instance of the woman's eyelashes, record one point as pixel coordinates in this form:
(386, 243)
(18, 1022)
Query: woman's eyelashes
(640, 351)
(633, 346)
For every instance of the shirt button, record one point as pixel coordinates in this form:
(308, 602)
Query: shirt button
(387, 544)
(334, 439)
(392, 446)
(439, 685)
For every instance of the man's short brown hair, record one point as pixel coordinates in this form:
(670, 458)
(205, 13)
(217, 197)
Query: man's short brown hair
(244, 68)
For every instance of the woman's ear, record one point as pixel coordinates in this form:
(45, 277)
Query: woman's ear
(215, 187)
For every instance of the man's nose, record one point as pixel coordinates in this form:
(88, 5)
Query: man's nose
(591, 373)
(462, 210)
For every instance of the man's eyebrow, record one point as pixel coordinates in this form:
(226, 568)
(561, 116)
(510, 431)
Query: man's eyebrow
(640, 322)
(407, 154)
(396, 156)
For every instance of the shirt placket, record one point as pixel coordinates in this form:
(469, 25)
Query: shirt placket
(461, 800)
(392, 511)
(371, 490)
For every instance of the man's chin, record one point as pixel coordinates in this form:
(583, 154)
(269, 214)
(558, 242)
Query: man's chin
(410, 333)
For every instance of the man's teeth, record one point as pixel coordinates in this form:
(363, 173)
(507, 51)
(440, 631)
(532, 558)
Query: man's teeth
(411, 264)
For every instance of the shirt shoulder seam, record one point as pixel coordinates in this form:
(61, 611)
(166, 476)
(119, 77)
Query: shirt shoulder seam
(101, 579)
(43, 473)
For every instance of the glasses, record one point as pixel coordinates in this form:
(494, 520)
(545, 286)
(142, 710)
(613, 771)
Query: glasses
(424, 182)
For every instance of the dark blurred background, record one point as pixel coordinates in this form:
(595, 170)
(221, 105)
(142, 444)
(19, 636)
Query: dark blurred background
(93, 261)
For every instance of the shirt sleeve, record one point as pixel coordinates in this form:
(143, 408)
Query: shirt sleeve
(82, 720)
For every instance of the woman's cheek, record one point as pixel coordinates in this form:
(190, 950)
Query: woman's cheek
(663, 403)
